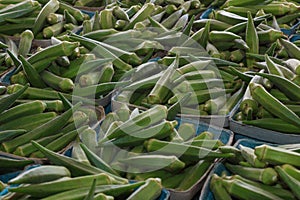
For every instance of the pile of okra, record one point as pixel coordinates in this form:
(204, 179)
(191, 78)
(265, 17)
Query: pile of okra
(61, 66)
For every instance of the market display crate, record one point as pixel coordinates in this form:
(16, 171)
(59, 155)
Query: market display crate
(260, 133)
(225, 136)
(220, 170)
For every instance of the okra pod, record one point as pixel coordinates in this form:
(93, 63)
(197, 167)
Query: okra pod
(139, 122)
(276, 155)
(61, 142)
(274, 124)
(240, 189)
(61, 185)
(7, 163)
(272, 105)
(31, 73)
(154, 162)
(291, 48)
(41, 174)
(56, 82)
(76, 168)
(251, 158)
(51, 7)
(252, 39)
(115, 190)
(159, 131)
(141, 15)
(9, 100)
(191, 153)
(194, 174)
(28, 122)
(41, 131)
(150, 190)
(217, 188)
(25, 43)
(27, 149)
(30, 108)
(292, 183)
(161, 89)
(9, 134)
(96, 160)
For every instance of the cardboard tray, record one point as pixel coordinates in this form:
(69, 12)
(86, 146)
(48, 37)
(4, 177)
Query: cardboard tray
(226, 136)
(219, 168)
(260, 133)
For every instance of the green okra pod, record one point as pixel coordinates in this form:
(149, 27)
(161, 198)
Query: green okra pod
(9, 100)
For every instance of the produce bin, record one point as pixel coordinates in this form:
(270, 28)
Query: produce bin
(260, 133)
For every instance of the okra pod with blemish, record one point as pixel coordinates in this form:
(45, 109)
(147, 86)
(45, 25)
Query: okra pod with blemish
(251, 158)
